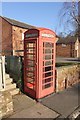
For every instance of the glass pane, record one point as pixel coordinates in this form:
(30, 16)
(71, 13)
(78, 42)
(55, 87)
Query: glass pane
(29, 71)
(48, 74)
(48, 63)
(47, 80)
(47, 51)
(30, 44)
(46, 86)
(29, 56)
(43, 44)
(47, 57)
(48, 68)
(30, 68)
(30, 74)
(48, 44)
(31, 63)
(30, 80)
(30, 50)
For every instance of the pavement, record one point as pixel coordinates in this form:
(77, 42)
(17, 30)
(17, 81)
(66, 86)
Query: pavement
(26, 107)
(64, 102)
(58, 105)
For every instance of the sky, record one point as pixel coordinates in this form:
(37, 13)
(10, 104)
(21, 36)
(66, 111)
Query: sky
(40, 14)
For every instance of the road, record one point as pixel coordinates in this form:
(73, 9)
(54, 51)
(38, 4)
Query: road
(70, 60)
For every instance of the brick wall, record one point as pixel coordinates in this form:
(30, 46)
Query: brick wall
(17, 40)
(6, 37)
(67, 76)
(11, 38)
(0, 35)
(65, 51)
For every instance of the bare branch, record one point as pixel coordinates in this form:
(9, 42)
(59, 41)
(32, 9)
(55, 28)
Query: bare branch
(69, 15)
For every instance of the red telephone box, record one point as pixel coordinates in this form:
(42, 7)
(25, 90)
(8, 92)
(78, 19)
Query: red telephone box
(39, 62)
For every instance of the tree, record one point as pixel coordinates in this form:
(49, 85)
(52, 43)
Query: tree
(70, 17)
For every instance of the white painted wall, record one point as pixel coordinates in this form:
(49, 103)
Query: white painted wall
(77, 47)
(2, 72)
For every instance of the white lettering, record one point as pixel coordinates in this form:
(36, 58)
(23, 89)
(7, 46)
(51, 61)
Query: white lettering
(32, 35)
(47, 35)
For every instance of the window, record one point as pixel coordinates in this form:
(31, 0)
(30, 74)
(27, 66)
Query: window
(22, 36)
(63, 45)
(48, 50)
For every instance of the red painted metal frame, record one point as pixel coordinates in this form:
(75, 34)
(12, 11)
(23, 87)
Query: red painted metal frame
(39, 39)
(50, 90)
(26, 88)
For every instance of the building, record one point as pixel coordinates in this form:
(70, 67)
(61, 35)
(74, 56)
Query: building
(68, 47)
(11, 36)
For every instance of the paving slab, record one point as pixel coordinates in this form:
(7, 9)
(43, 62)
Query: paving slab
(36, 111)
(26, 107)
(64, 102)
(22, 102)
